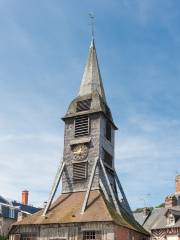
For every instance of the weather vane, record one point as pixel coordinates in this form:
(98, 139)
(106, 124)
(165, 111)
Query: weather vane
(91, 15)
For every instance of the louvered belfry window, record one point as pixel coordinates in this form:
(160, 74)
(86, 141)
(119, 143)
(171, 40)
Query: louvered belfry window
(108, 130)
(79, 171)
(108, 159)
(81, 125)
(83, 105)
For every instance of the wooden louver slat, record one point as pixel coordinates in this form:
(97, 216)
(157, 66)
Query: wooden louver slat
(79, 171)
(83, 105)
(108, 159)
(81, 125)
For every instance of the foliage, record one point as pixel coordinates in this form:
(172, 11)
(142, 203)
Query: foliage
(160, 205)
(3, 238)
(138, 210)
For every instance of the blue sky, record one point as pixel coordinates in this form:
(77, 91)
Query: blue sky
(43, 50)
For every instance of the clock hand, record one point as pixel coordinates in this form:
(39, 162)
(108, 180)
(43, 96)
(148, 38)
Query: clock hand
(78, 151)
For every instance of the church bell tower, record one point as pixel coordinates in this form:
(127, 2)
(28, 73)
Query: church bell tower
(92, 203)
(88, 157)
(89, 131)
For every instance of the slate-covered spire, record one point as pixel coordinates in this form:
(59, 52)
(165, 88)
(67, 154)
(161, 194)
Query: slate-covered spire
(91, 80)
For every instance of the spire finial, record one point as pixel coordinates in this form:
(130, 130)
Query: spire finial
(91, 15)
(91, 81)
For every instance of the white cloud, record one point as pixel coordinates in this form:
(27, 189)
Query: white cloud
(146, 161)
(29, 161)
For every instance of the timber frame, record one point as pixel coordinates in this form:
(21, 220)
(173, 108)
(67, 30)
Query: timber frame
(99, 161)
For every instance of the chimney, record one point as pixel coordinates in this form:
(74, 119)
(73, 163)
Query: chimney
(170, 201)
(25, 194)
(178, 184)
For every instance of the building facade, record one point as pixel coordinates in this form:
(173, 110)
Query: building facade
(10, 211)
(163, 223)
(89, 206)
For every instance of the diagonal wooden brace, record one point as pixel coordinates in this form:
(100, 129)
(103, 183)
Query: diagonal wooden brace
(89, 186)
(123, 194)
(110, 187)
(54, 187)
(104, 190)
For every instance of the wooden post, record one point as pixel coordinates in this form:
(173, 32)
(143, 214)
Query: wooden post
(104, 190)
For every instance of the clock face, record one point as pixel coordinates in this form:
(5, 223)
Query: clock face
(80, 152)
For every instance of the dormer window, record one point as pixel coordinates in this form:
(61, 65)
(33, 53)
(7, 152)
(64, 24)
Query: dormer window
(83, 105)
(170, 220)
(11, 213)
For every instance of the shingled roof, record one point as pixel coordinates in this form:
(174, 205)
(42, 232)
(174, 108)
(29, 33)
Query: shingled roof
(67, 209)
(91, 80)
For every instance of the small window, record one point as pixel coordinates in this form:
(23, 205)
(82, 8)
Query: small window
(83, 105)
(11, 213)
(87, 235)
(79, 171)
(81, 126)
(108, 131)
(108, 159)
(28, 236)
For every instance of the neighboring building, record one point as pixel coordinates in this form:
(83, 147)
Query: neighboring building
(11, 211)
(89, 206)
(163, 223)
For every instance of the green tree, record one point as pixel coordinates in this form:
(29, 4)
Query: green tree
(3, 238)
